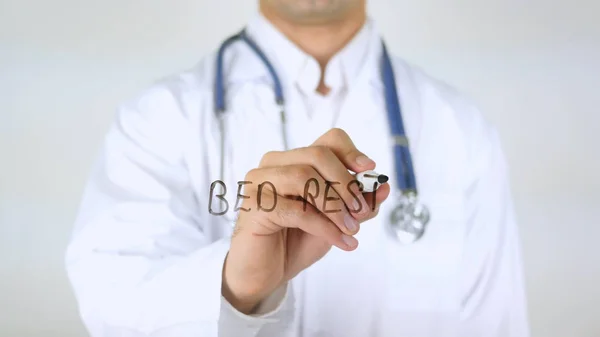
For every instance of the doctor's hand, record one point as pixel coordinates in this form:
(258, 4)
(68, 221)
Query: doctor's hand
(272, 245)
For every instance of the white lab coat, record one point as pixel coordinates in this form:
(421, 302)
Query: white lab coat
(146, 255)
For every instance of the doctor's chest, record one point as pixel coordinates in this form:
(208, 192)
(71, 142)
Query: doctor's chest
(419, 277)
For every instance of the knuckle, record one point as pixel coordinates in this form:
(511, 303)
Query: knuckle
(303, 173)
(253, 174)
(320, 153)
(337, 132)
(281, 171)
(267, 157)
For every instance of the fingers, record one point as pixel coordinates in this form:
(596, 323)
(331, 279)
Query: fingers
(326, 200)
(291, 213)
(375, 199)
(338, 141)
(326, 163)
(304, 181)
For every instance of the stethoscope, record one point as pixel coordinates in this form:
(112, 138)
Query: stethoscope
(409, 218)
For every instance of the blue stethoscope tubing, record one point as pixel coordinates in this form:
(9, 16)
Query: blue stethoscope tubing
(405, 175)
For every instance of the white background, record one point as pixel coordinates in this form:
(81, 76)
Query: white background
(533, 66)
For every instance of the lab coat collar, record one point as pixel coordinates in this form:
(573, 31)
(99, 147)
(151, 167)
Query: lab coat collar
(295, 67)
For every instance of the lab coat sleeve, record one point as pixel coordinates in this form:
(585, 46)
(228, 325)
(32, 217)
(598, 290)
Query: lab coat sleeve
(273, 317)
(141, 261)
(493, 294)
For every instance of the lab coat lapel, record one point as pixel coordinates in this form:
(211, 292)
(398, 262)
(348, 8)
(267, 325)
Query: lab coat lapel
(359, 115)
(252, 124)
(364, 116)
(252, 88)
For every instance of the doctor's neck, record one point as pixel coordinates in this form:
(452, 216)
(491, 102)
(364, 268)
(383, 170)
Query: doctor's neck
(320, 28)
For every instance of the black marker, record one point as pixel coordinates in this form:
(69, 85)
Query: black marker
(368, 179)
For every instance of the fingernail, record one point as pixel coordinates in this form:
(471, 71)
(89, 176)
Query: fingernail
(365, 206)
(357, 205)
(363, 160)
(349, 241)
(350, 223)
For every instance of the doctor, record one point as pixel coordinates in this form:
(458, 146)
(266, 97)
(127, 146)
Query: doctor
(170, 241)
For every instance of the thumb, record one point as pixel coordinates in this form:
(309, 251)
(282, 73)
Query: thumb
(340, 143)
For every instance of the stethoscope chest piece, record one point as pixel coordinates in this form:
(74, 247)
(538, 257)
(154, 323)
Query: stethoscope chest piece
(409, 219)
